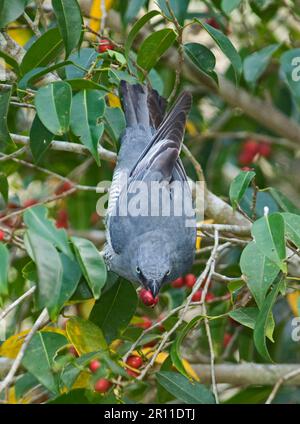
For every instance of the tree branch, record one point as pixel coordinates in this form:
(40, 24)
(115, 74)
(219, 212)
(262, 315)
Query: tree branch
(248, 374)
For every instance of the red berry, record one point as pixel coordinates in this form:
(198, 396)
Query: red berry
(178, 283)
(227, 338)
(2, 235)
(213, 22)
(151, 344)
(73, 351)
(197, 296)
(102, 385)
(147, 298)
(134, 361)
(131, 373)
(62, 219)
(209, 297)
(104, 45)
(247, 168)
(94, 365)
(251, 146)
(146, 323)
(29, 202)
(265, 149)
(190, 280)
(62, 188)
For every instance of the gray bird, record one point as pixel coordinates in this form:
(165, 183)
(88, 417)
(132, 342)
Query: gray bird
(145, 247)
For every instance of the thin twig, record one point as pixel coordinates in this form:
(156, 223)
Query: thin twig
(42, 202)
(279, 383)
(206, 321)
(41, 321)
(17, 302)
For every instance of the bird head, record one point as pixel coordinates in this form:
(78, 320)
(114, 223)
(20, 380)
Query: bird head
(152, 265)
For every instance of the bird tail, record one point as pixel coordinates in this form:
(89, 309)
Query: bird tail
(142, 105)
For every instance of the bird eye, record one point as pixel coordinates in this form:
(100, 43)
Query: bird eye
(138, 270)
(168, 273)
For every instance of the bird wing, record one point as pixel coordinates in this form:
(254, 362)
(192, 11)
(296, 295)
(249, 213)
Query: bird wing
(162, 153)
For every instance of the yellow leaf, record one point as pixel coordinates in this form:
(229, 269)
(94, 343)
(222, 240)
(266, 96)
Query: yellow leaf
(190, 371)
(113, 100)
(115, 344)
(86, 307)
(10, 348)
(191, 128)
(20, 35)
(82, 380)
(85, 336)
(96, 13)
(198, 242)
(293, 300)
(162, 356)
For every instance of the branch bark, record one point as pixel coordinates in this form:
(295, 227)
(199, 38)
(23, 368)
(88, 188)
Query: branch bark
(248, 374)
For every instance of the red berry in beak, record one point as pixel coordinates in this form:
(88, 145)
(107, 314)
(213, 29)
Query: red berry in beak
(147, 298)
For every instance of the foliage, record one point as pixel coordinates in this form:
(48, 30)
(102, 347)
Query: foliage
(60, 124)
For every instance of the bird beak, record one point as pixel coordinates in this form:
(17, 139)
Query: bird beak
(154, 286)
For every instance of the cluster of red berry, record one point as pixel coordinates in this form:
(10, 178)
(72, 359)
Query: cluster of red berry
(189, 281)
(102, 385)
(252, 149)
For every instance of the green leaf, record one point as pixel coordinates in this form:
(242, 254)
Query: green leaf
(36, 220)
(114, 122)
(84, 58)
(4, 106)
(259, 271)
(4, 266)
(256, 63)
(88, 106)
(202, 57)
(283, 202)
(69, 19)
(49, 269)
(62, 292)
(261, 323)
(136, 28)
(11, 10)
(53, 106)
(40, 139)
(85, 84)
(154, 46)
(4, 187)
(43, 51)
(25, 383)
(290, 69)
(229, 5)
(239, 186)
(91, 263)
(10, 61)
(35, 74)
(175, 348)
(114, 310)
(183, 389)
(268, 233)
(248, 318)
(39, 355)
(226, 46)
(179, 9)
(292, 227)
(85, 335)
